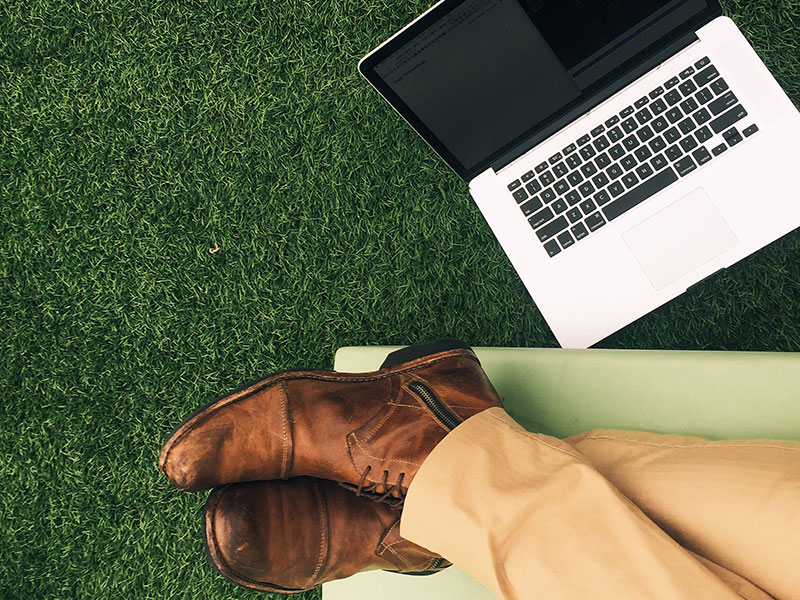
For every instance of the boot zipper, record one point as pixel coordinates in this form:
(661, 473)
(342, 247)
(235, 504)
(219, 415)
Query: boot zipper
(442, 413)
(436, 563)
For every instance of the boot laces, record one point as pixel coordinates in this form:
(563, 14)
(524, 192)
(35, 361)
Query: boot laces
(371, 489)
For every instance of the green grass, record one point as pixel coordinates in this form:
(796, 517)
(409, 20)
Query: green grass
(134, 136)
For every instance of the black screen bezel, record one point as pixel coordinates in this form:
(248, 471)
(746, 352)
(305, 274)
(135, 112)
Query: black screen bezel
(367, 69)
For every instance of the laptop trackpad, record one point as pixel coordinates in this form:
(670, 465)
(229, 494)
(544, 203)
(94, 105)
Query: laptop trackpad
(682, 237)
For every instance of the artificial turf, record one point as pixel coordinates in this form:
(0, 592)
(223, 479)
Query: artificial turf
(135, 137)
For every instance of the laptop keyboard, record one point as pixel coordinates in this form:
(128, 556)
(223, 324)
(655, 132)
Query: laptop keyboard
(666, 135)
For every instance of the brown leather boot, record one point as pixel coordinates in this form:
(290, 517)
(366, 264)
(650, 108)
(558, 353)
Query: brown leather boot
(289, 536)
(369, 431)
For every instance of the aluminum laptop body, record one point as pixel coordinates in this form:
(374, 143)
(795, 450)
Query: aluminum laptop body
(660, 151)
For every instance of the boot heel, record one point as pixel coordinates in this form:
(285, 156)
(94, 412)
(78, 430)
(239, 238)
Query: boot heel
(423, 349)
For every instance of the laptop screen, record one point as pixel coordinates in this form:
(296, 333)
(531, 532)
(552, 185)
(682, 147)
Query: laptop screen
(476, 76)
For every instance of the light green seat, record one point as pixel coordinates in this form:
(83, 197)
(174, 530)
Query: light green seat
(718, 395)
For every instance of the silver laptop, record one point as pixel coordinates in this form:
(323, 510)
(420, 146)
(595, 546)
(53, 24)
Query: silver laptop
(620, 150)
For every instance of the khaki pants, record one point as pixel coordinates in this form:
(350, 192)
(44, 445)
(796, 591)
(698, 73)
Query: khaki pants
(610, 514)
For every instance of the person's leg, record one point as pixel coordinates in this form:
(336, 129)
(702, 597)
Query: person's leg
(736, 503)
(529, 517)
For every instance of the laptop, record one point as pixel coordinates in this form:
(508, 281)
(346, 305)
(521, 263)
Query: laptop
(621, 151)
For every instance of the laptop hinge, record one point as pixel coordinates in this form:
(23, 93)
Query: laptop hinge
(621, 83)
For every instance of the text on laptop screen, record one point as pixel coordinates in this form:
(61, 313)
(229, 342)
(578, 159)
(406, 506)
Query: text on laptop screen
(490, 70)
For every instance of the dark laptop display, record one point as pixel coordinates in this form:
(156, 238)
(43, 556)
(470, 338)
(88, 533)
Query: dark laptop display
(475, 77)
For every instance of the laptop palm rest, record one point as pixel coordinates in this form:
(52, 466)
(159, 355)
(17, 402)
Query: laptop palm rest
(684, 236)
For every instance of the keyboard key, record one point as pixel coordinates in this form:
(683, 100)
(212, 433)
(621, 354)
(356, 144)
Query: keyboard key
(559, 206)
(616, 189)
(673, 97)
(520, 195)
(574, 160)
(615, 134)
(659, 162)
(560, 170)
(704, 96)
(584, 140)
(602, 161)
(750, 130)
(531, 207)
(689, 105)
(643, 116)
(660, 124)
(706, 75)
(641, 102)
(561, 187)
(588, 152)
(672, 83)
(644, 171)
(588, 169)
(635, 197)
(703, 134)
(656, 92)
(514, 185)
(595, 221)
(612, 121)
(720, 124)
(687, 126)
(541, 167)
(566, 240)
(688, 144)
(569, 149)
(674, 153)
(552, 229)
(572, 198)
(630, 180)
(672, 135)
(643, 153)
(626, 112)
(702, 63)
(534, 187)
(658, 107)
(723, 103)
(630, 142)
(687, 72)
(628, 163)
(701, 155)
(597, 130)
(548, 195)
(547, 178)
(552, 248)
(574, 215)
(658, 144)
(579, 231)
(702, 116)
(614, 172)
(602, 198)
(528, 176)
(616, 151)
(588, 207)
(645, 133)
(629, 125)
(719, 86)
(600, 180)
(732, 136)
(555, 158)
(687, 88)
(685, 166)
(601, 143)
(674, 115)
(575, 178)
(586, 189)
(719, 149)
(541, 217)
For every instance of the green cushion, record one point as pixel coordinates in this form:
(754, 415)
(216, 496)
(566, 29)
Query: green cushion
(718, 395)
